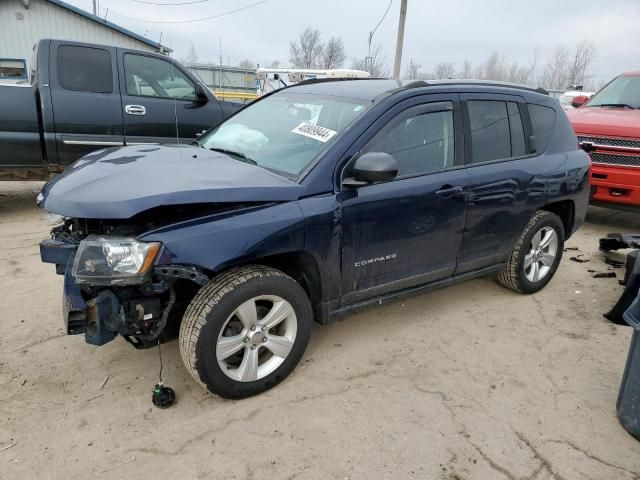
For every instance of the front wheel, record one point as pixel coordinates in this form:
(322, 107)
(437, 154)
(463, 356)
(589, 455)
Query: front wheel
(245, 331)
(536, 255)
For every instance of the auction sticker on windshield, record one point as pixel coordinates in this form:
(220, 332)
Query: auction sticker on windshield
(314, 131)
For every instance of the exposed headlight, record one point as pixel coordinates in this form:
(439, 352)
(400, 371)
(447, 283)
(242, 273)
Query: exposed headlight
(114, 260)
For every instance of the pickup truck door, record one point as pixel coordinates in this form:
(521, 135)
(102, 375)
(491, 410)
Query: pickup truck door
(407, 232)
(508, 180)
(85, 97)
(159, 101)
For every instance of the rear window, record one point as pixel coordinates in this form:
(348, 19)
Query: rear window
(490, 139)
(85, 69)
(518, 146)
(12, 69)
(542, 122)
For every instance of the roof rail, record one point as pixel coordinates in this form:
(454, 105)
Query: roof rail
(488, 83)
(334, 79)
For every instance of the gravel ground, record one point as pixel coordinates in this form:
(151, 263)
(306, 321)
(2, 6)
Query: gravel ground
(471, 382)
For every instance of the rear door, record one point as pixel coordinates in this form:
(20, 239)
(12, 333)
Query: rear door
(159, 101)
(507, 182)
(85, 96)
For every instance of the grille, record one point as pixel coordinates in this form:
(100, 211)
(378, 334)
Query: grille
(612, 142)
(631, 161)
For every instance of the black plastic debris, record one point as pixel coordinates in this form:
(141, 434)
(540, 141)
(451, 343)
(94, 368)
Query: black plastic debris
(631, 283)
(604, 275)
(578, 258)
(628, 404)
(617, 241)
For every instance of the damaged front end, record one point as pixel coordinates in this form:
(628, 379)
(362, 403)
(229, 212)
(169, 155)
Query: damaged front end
(112, 286)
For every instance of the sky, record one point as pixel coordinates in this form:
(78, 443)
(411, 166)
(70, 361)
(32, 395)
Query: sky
(435, 31)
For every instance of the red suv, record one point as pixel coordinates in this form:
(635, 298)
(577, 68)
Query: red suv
(608, 127)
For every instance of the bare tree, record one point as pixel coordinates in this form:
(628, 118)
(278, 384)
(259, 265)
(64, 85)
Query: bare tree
(192, 55)
(444, 70)
(533, 65)
(554, 75)
(274, 63)
(582, 58)
(466, 71)
(333, 55)
(247, 64)
(375, 64)
(307, 51)
(413, 70)
(495, 68)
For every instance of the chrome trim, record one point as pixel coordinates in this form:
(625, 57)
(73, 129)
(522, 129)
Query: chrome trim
(104, 143)
(610, 147)
(135, 110)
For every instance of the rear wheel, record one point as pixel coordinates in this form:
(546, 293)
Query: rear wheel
(244, 332)
(536, 255)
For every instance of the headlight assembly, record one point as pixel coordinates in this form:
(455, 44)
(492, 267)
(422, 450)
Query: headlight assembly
(114, 260)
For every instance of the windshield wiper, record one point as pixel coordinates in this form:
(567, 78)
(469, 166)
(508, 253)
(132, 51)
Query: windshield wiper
(240, 155)
(624, 105)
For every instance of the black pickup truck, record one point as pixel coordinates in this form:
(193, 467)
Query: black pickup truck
(83, 97)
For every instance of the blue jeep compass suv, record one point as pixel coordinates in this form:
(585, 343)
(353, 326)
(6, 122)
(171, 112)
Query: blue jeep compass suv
(310, 203)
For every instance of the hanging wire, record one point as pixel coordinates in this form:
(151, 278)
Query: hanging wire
(172, 4)
(382, 19)
(193, 19)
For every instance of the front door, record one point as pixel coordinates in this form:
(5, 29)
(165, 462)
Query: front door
(407, 232)
(159, 101)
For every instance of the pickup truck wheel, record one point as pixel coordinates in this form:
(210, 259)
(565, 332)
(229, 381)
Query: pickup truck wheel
(536, 255)
(245, 331)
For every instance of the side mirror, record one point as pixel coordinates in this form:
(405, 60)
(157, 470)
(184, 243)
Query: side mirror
(579, 101)
(372, 167)
(201, 95)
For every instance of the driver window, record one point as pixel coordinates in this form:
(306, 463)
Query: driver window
(153, 77)
(420, 143)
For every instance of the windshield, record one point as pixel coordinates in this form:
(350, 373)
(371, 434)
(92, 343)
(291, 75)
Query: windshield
(623, 91)
(286, 131)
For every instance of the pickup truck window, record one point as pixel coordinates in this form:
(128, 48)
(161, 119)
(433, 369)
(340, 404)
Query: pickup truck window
(285, 131)
(623, 91)
(542, 122)
(13, 69)
(85, 69)
(153, 77)
(422, 143)
(496, 130)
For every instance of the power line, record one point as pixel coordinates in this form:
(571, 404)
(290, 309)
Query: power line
(191, 20)
(383, 17)
(172, 4)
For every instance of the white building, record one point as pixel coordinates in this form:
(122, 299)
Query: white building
(24, 22)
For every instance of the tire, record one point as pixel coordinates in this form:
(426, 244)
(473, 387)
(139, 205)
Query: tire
(224, 309)
(519, 277)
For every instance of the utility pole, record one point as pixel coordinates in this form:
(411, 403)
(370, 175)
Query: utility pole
(398, 60)
(95, 7)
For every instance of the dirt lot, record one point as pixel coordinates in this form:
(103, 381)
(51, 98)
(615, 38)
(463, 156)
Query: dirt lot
(472, 382)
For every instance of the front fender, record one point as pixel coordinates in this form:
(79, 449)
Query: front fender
(216, 242)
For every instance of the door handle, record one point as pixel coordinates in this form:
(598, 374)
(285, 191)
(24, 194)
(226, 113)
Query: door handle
(135, 110)
(450, 191)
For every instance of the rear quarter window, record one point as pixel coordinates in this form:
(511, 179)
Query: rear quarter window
(85, 69)
(543, 121)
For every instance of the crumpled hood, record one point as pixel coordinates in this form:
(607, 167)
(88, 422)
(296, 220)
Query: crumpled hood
(605, 121)
(122, 182)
